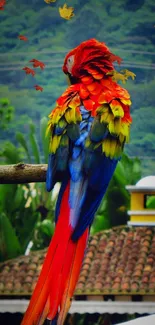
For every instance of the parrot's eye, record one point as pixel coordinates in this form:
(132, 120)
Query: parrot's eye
(70, 59)
(70, 62)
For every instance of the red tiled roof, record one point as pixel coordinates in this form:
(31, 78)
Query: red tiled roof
(118, 261)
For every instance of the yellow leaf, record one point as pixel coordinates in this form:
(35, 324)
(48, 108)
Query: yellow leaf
(66, 12)
(116, 76)
(128, 74)
(49, 1)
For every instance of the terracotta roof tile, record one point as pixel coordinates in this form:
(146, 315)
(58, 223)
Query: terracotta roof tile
(118, 261)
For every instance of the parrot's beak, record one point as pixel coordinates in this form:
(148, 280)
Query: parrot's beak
(68, 79)
(71, 80)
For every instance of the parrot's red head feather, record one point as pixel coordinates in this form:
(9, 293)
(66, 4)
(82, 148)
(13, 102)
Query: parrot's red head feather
(90, 58)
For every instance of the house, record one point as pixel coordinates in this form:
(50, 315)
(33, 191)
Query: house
(118, 273)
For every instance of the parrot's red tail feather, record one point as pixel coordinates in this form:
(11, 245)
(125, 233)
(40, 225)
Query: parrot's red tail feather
(44, 313)
(56, 291)
(51, 270)
(60, 271)
(70, 278)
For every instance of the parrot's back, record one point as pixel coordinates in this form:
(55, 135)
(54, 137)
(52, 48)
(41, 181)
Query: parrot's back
(88, 128)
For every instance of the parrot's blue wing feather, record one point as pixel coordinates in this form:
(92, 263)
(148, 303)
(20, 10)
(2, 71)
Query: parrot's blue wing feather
(98, 131)
(62, 158)
(76, 152)
(51, 172)
(86, 167)
(58, 161)
(60, 195)
(102, 170)
(75, 167)
(97, 185)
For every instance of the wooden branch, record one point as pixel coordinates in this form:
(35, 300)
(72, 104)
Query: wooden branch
(22, 173)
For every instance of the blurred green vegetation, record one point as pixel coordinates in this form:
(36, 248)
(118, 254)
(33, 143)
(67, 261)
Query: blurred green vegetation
(6, 113)
(26, 211)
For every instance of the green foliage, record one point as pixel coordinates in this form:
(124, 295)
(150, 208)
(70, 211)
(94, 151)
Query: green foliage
(43, 233)
(6, 113)
(44, 137)
(10, 153)
(21, 140)
(34, 144)
(9, 243)
(26, 211)
(150, 202)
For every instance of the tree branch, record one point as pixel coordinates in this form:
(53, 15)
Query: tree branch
(22, 173)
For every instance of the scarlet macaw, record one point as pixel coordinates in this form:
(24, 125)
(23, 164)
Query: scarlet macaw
(89, 127)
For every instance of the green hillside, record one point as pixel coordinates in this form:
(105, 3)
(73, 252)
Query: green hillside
(126, 26)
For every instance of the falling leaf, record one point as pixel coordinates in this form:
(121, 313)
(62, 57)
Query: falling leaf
(66, 12)
(2, 4)
(37, 63)
(37, 87)
(129, 73)
(49, 1)
(116, 76)
(29, 71)
(23, 38)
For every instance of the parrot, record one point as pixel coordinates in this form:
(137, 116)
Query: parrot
(88, 129)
